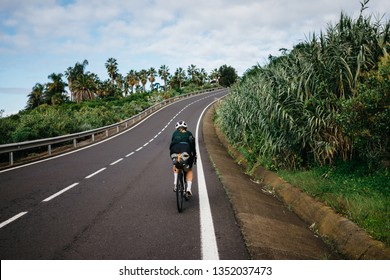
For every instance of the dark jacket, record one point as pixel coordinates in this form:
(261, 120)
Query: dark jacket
(183, 142)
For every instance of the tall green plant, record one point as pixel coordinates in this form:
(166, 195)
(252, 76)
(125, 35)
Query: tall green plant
(286, 112)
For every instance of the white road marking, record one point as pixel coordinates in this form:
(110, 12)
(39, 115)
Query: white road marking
(207, 234)
(60, 192)
(132, 153)
(95, 173)
(12, 219)
(115, 162)
(208, 239)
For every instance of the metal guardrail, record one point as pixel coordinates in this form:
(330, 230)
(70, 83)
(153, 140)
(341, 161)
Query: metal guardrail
(125, 124)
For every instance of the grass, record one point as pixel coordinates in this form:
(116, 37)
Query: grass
(352, 191)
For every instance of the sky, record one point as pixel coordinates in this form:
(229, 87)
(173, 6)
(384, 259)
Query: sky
(40, 37)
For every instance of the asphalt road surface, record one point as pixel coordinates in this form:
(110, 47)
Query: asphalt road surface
(114, 200)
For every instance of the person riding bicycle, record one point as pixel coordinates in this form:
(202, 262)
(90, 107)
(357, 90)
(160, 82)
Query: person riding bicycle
(183, 141)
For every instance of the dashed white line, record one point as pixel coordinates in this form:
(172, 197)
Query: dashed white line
(115, 162)
(60, 192)
(97, 172)
(209, 245)
(12, 219)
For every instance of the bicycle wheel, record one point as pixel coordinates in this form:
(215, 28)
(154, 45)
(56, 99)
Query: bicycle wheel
(180, 191)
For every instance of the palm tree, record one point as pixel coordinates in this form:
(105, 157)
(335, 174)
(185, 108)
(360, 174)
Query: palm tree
(131, 79)
(36, 97)
(73, 72)
(84, 87)
(202, 76)
(137, 81)
(120, 81)
(163, 72)
(180, 76)
(152, 77)
(214, 75)
(55, 89)
(192, 72)
(143, 77)
(112, 69)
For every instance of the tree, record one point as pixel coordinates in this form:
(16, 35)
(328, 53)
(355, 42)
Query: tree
(214, 76)
(131, 79)
(143, 77)
(73, 72)
(163, 72)
(36, 97)
(54, 94)
(202, 76)
(180, 76)
(84, 87)
(112, 69)
(227, 75)
(192, 72)
(120, 82)
(152, 77)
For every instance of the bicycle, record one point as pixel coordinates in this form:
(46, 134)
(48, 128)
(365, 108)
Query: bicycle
(180, 162)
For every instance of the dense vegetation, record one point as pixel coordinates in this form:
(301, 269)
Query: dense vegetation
(91, 103)
(323, 108)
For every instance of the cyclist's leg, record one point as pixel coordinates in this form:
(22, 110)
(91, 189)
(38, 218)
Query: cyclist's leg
(175, 173)
(189, 176)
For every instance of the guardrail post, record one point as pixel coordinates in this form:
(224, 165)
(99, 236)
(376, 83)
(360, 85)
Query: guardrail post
(11, 158)
(117, 129)
(93, 137)
(106, 132)
(49, 149)
(75, 143)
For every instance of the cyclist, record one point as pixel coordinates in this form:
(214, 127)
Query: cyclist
(183, 141)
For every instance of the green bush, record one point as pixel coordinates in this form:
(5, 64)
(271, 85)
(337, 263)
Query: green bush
(49, 121)
(365, 117)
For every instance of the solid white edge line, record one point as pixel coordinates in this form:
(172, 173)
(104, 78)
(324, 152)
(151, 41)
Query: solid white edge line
(93, 174)
(208, 240)
(12, 219)
(60, 192)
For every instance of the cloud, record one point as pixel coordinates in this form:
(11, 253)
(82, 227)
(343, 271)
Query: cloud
(207, 33)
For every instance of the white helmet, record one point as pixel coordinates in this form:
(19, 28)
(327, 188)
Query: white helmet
(181, 124)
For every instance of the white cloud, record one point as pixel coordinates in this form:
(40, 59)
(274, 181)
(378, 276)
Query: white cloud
(44, 36)
(176, 33)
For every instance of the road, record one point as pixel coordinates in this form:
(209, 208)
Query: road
(114, 200)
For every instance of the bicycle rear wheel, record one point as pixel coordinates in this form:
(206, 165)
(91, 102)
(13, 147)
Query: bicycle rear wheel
(180, 191)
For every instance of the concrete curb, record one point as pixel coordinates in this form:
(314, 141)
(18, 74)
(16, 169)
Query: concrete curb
(349, 239)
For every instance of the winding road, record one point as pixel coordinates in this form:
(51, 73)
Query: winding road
(114, 200)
